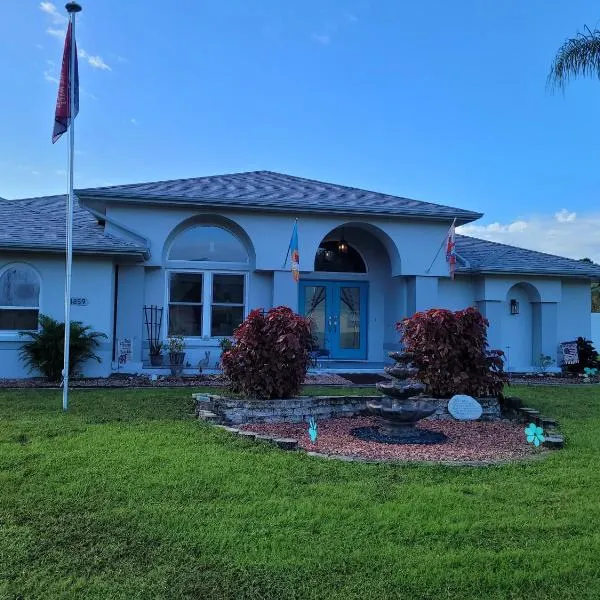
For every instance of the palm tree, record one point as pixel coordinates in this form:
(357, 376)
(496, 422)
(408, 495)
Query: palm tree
(578, 56)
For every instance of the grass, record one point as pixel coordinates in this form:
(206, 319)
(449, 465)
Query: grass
(127, 496)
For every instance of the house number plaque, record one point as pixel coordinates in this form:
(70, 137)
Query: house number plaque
(79, 301)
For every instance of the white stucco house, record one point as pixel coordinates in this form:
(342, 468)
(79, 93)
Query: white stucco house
(208, 250)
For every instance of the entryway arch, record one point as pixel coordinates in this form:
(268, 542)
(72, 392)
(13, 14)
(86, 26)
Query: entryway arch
(520, 327)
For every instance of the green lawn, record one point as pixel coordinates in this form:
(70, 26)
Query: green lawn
(128, 496)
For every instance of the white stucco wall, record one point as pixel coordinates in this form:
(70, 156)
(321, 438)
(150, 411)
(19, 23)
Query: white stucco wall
(92, 279)
(595, 335)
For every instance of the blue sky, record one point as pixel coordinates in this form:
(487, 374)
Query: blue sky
(435, 100)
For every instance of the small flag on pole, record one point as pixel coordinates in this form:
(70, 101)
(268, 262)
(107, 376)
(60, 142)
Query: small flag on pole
(451, 249)
(62, 116)
(293, 249)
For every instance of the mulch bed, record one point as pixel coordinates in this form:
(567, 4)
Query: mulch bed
(477, 441)
(364, 378)
(122, 380)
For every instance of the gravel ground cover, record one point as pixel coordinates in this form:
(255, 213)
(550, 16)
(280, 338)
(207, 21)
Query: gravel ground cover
(467, 441)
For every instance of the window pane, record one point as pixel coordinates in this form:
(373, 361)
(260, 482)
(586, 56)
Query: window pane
(350, 317)
(208, 243)
(315, 308)
(186, 287)
(329, 258)
(185, 320)
(225, 319)
(228, 289)
(19, 287)
(17, 320)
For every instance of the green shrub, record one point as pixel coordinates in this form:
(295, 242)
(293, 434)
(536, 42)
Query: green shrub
(45, 349)
(270, 356)
(451, 352)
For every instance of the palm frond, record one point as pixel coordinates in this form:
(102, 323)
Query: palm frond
(578, 56)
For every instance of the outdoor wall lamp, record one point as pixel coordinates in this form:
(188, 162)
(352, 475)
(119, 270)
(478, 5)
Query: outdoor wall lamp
(342, 245)
(514, 307)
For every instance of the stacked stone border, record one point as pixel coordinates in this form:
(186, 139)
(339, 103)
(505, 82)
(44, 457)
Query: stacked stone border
(508, 407)
(235, 411)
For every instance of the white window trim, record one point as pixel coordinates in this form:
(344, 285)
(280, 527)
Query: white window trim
(207, 292)
(13, 334)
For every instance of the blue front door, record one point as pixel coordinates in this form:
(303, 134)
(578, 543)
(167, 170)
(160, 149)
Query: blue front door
(338, 311)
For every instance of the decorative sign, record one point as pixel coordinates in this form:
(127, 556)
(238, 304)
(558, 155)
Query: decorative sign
(79, 301)
(125, 350)
(312, 430)
(570, 356)
(535, 434)
(464, 408)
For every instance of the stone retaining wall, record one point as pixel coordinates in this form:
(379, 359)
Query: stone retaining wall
(234, 411)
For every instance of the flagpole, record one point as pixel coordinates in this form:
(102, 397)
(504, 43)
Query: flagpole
(440, 248)
(72, 8)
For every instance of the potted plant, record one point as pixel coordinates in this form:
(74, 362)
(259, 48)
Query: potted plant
(176, 346)
(156, 358)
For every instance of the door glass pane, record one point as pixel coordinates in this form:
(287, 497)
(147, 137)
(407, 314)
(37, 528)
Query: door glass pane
(315, 309)
(349, 326)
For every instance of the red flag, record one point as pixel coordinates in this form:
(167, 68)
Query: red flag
(62, 116)
(451, 249)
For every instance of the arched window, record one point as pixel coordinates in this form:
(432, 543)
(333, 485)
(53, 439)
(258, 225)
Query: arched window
(208, 243)
(207, 282)
(330, 258)
(19, 298)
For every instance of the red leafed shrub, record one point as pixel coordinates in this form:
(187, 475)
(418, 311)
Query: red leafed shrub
(270, 355)
(451, 353)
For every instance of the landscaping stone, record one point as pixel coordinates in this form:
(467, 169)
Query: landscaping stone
(554, 441)
(247, 434)
(233, 411)
(286, 443)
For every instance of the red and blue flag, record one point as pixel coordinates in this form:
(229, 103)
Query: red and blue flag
(62, 116)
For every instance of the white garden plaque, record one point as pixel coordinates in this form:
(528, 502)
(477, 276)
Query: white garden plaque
(464, 408)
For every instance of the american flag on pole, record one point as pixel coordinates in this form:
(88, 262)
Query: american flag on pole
(295, 253)
(451, 249)
(62, 116)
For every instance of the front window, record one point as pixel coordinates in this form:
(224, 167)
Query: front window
(205, 304)
(19, 299)
(185, 304)
(207, 286)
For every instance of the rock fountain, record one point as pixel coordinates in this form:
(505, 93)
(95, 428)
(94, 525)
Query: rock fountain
(401, 408)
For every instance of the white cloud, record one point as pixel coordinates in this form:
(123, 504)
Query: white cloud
(564, 233)
(39, 46)
(350, 17)
(94, 61)
(564, 216)
(48, 76)
(321, 38)
(50, 9)
(57, 33)
(60, 172)
(133, 121)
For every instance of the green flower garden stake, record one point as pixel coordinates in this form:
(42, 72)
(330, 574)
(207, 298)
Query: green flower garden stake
(312, 430)
(535, 434)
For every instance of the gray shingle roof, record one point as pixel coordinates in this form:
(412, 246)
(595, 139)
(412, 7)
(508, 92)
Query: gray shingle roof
(277, 191)
(39, 224)
(491, 257)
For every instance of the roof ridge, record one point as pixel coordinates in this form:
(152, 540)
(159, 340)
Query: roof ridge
(509, 247)
(362, 190)
(180, 179)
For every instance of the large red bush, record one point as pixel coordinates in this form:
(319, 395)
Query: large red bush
(270, 355)
(451, 352)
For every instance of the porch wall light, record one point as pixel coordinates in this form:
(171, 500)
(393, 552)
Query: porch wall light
(342, 245)
(514, 307)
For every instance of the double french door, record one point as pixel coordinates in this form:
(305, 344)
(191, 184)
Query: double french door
(338, 313)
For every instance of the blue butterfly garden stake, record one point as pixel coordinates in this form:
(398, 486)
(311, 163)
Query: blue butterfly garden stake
(590, 372)
(312, 430)
(535, 434)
